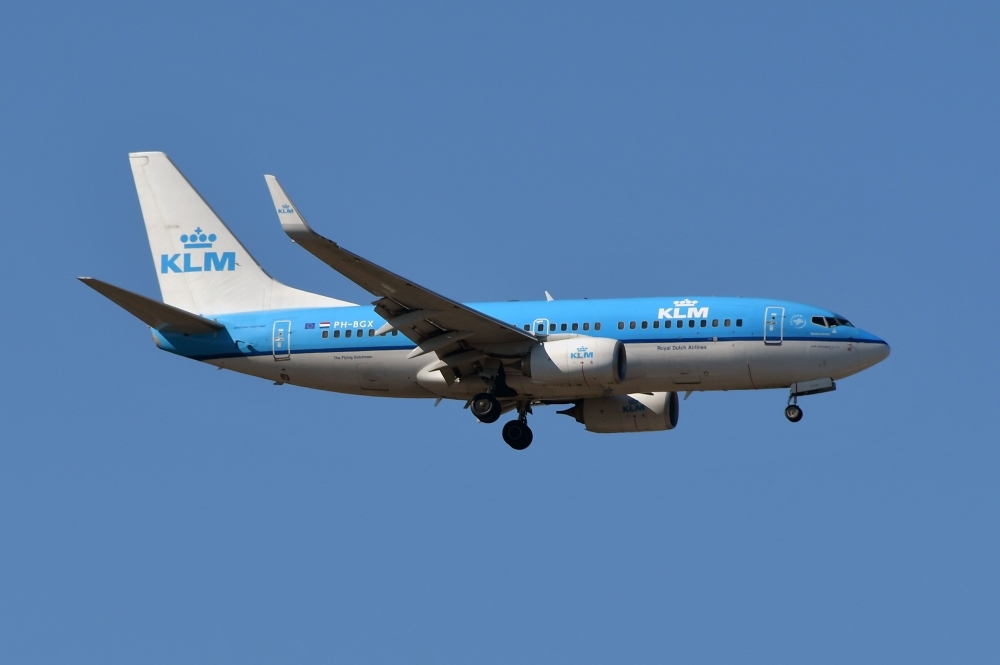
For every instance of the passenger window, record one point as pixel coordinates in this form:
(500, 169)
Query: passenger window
(597, 326)
(704, 323)
(645, 325)
(563, 327)
(527, 326)
(326, 333)
(576, 326)
(621, 325)
(691, 324)
(371, 332)
(541, 327)
(667, 324)
(586, 326)
(631, 325)
(656, 324)
(336, 333)
(347, 333)
(552, 327)
(715, 323)
(727, 322)
(739, 323)
(394, 332)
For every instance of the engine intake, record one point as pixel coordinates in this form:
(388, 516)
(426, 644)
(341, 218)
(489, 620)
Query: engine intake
(625, 413)
(594, 362)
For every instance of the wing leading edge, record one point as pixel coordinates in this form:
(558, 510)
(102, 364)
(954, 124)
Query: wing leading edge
(458, 335)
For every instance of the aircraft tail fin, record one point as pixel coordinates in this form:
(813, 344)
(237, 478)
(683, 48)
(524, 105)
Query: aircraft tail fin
(201, 266)
(157, 315)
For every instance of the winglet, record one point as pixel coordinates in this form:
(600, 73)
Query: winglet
(292, 223)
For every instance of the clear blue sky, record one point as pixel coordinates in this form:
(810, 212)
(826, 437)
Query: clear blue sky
(156, 510)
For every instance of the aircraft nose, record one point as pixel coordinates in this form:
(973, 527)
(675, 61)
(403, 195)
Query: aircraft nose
(874, 352)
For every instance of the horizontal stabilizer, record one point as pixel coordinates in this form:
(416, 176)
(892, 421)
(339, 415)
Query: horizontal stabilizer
(154, 314)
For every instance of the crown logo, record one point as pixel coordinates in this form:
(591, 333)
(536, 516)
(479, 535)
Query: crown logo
(198, 239)
(685, 303)
(582, 349)
(285, 209)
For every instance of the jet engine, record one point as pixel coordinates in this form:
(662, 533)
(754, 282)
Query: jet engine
(594, 362)
(627, 413)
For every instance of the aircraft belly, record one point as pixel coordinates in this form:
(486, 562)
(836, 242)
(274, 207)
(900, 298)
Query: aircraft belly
(652, 367)
(707, 365)
(378, 373)
(778, 366)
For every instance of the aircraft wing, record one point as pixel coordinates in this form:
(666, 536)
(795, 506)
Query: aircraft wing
(436, 323)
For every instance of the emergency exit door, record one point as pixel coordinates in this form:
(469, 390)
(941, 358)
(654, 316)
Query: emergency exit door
(774, 325)
(281, 342)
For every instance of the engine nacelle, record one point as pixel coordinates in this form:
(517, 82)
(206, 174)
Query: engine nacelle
(594, 362)
(624, 413)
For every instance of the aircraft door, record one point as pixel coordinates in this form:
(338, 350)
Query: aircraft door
(774, 325)
(281, 342)
(540, 327)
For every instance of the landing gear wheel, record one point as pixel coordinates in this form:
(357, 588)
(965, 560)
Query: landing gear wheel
(485, 407)
(517, 435)
(793, 412)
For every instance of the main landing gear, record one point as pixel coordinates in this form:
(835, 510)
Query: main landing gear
(486, 408)
(516, 433)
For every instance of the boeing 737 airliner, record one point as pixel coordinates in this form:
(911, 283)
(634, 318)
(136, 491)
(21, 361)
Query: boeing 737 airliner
(616, 365)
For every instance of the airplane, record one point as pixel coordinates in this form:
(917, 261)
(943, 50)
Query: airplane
(616, 365)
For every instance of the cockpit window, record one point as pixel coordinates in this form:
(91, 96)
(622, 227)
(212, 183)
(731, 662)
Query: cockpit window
(831, 321)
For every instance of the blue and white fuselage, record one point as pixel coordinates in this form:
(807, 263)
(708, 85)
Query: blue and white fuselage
(619, 363)
(697, 353)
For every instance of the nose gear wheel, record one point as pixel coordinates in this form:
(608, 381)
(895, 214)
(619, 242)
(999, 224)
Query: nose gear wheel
(793, 412)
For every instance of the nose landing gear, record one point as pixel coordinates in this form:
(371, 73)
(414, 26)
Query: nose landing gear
(793, 412)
